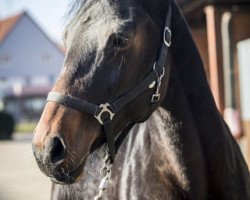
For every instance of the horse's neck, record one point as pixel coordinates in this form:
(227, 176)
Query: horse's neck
(147, 160)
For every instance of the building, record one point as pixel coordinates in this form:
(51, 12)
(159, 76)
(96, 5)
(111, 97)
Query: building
(29, 65)
(221, 30)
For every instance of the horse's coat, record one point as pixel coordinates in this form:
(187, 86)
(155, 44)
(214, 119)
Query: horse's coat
(183, 151)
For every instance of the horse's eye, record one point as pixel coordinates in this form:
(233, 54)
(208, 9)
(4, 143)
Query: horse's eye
(121, 41)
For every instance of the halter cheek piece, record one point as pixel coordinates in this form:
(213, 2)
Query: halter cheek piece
(105, 113)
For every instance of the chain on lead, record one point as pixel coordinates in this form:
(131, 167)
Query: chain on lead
(105, 171)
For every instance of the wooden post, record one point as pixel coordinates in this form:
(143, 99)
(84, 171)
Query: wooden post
(213, 18)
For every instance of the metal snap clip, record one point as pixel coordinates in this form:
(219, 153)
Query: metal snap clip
(156, 96)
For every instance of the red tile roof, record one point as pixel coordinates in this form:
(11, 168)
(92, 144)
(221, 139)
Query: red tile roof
(8, 24)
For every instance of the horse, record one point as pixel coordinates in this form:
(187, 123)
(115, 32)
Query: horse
(160, 133)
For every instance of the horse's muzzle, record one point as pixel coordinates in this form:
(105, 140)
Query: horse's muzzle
(62, 140)
(53, 162)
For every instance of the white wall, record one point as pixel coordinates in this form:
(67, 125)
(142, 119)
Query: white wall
(244, 66)
(29, 53)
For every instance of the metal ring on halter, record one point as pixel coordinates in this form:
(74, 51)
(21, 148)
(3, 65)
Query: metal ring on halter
(163, 71)
(104, 109)
(167, 30)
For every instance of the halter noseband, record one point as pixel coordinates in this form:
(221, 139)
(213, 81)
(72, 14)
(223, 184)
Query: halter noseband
(105, 113)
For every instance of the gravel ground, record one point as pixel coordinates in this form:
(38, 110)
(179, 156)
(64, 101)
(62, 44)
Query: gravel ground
(20, 178)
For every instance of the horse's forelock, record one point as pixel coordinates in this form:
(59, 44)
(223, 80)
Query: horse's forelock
(156, 8)
(76, 5)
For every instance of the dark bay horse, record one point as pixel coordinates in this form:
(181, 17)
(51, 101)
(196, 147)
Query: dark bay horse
(178, 148)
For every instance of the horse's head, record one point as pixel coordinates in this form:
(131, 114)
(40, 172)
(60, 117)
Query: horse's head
(111, 47)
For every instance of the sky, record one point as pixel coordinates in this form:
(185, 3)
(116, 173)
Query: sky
(48, 14)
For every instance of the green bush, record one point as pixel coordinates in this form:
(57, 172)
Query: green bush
(25, 127)
(7, 125)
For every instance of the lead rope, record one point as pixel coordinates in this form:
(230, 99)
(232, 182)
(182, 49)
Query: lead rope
(105, 172)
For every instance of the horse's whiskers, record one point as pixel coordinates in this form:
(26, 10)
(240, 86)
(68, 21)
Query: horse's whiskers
(72, 158)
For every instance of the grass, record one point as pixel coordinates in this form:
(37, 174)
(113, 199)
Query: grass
(25, 127)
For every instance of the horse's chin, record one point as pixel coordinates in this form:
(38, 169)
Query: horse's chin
(62, 178)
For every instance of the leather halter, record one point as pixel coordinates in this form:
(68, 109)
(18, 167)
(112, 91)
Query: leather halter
(105, 113)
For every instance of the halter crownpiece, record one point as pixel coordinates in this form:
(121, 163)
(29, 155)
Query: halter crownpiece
(105, 113)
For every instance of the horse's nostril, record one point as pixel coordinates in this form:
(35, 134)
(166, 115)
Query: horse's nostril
(58, 150)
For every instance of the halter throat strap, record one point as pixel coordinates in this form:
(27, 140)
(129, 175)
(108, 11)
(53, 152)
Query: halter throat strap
(105, 113)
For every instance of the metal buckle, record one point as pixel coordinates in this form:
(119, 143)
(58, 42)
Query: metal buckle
(167, 30)
(104, 108)
(155, 98)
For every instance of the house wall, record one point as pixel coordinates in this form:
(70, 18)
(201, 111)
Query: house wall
(241, 50)
(240, 31)
(29, 65)
(28, 54)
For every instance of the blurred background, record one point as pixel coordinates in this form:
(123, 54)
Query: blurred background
(31, 57)
(32, 54)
